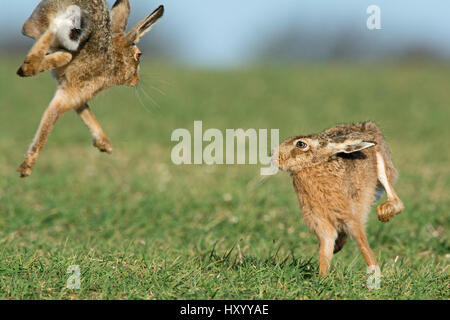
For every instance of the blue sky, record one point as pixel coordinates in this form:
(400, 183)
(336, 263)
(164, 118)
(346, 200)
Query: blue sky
(229, 32)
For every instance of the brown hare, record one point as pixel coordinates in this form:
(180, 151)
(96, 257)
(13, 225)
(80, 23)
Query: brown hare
(88, 50)
(337, 175)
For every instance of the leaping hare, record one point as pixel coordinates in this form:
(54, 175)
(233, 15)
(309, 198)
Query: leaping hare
(88, 50)
(337, 175)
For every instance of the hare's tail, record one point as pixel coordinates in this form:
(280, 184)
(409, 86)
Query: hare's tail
(70, 27)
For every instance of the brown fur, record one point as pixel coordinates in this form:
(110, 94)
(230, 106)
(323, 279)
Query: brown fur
(336, 177)
(106, 57)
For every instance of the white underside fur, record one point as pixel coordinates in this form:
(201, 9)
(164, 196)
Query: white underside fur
(63, 24)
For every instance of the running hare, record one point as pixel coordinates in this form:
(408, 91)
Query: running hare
(88, 50)
(337, 175)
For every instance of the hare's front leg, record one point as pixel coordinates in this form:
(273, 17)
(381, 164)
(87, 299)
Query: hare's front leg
(325, 255)
(360, 237)
(327, 237)
(57, 107)
(99, 138)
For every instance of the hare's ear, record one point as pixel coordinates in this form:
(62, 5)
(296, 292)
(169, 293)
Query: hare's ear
(120, 13)
(349, 146)
(145, 25)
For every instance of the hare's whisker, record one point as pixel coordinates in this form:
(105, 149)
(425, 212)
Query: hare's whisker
(144, 82)
(136, 92)
(257, 182)
(158, 90)
(149, 97)
(154, 77)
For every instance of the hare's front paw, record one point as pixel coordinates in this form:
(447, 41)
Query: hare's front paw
(25, 169)
(103, 144)
(387, 210)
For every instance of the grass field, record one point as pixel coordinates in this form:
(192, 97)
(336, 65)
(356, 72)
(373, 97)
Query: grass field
(140, 227)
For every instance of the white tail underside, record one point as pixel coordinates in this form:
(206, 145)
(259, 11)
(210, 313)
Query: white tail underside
(64, 24)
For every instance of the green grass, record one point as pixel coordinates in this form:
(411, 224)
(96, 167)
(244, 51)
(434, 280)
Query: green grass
(140, 227)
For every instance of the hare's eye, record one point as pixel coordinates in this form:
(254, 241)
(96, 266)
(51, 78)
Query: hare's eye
(138, 56)
(302, 145)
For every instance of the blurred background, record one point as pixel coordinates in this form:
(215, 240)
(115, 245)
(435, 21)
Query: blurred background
(233, 33)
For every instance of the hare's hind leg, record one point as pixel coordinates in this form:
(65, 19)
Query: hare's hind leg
(393, 206)
(32, 63)
(100, 140)
(38, 60)
(55, 60)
